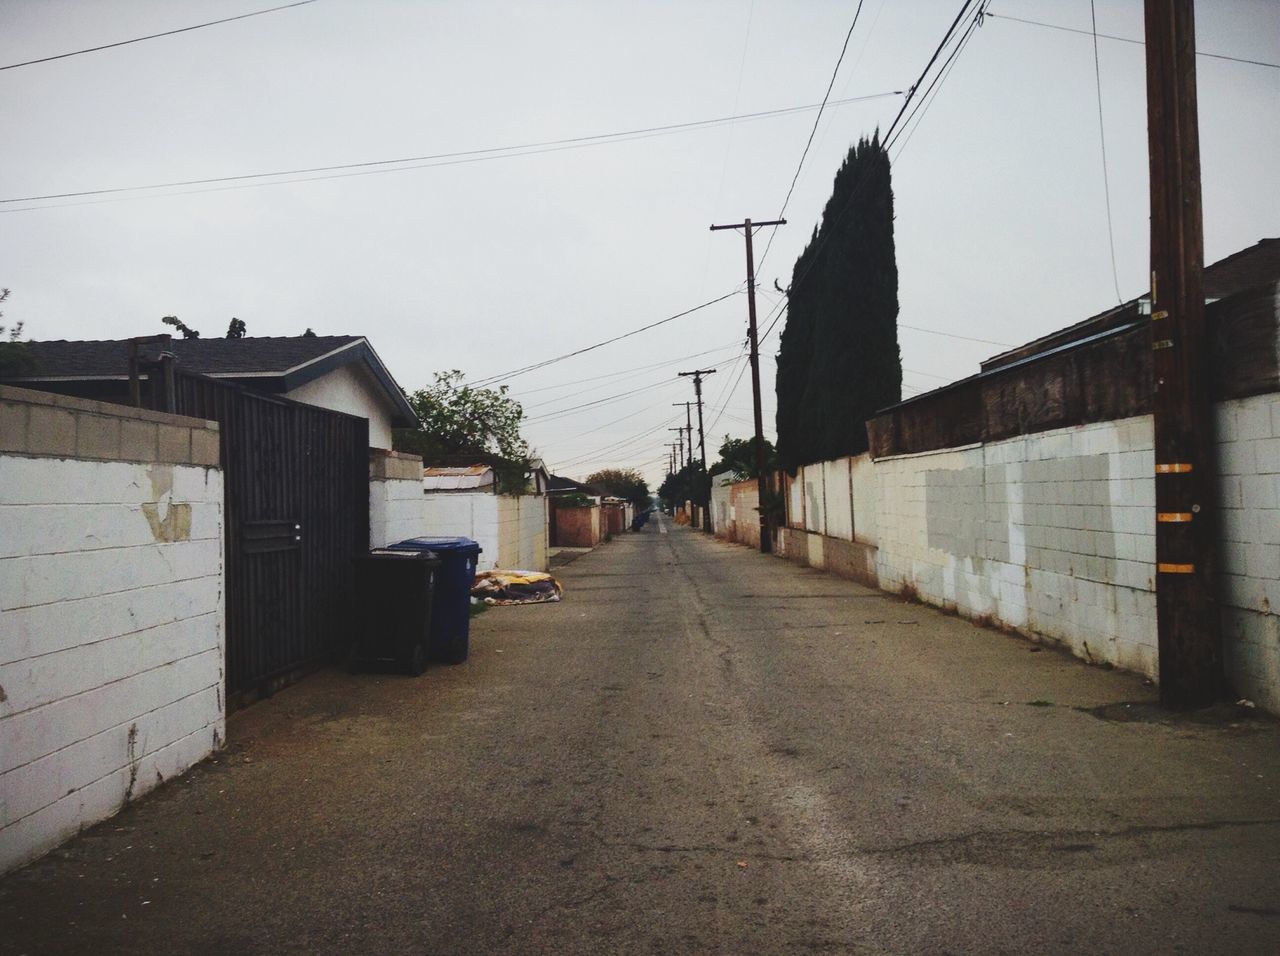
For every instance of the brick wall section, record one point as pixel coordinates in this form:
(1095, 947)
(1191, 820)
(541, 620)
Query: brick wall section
(111, 610)
(578, 527)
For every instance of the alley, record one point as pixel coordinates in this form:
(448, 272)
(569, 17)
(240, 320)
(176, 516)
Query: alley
(700, 750)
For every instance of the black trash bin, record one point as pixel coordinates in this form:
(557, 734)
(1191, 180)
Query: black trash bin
(394, 596)
(451, 617)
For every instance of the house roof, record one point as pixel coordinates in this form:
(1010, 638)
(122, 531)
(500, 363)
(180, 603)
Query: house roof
(271, 363)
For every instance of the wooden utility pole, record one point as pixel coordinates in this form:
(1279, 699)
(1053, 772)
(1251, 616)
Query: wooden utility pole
(679, 443)
(688, 430)
(702, 439)
(1188, 626)
(762, 481)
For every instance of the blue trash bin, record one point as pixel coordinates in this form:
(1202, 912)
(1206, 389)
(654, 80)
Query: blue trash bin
(451, 610)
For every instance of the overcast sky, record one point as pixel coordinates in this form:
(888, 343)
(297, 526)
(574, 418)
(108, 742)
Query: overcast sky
(504, 260)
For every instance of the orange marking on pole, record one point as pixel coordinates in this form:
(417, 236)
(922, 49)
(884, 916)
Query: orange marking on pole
(1178, 468)
(1173, 517)
(1176, 568)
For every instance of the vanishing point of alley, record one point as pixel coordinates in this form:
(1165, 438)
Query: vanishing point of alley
(700, 750)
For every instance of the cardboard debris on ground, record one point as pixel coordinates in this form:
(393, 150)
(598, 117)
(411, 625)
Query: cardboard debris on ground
(516, 587)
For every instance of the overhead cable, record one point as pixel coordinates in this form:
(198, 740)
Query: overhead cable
(494, 379)
(1109, 36)
(457, 157)
(154, 36)
(816, 121)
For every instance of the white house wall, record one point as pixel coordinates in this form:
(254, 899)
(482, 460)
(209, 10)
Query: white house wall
(111, 611)
(350, 389)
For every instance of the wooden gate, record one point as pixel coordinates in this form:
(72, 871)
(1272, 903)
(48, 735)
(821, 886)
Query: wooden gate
(296, 492)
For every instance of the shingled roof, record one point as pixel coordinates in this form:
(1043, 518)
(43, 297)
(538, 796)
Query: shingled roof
(275, 364)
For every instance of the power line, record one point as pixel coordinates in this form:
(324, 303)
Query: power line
(953, 335)
(1109, 36)
(493, 379)
(816, 120)
(936, 84)
(614, 447)
(1102, 138)
(618, 375)
(457, 157)
(154, 36)
(857, 188)
(562, 412)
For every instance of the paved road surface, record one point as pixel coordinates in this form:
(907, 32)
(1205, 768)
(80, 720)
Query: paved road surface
(701, 750)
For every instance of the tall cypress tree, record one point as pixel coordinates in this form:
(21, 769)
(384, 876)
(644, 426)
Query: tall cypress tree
(839, 361)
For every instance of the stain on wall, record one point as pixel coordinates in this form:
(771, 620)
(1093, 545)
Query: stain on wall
(169, 520)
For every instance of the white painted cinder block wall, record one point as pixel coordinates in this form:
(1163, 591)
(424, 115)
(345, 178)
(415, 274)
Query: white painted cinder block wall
(523, 532)
(111, 611)
(1049, 533)
(1249, 465)
(396, 508)
(474, 516)
(1053, 534)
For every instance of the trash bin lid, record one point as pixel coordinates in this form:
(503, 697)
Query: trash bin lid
(440, 545)
(423, 555)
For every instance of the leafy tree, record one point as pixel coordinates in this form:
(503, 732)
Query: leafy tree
(177, 323)
(623, 483)
(15, 357)
(839, 360)
(738, 458)
(308, 334)
(690, 483)
(236, 329)
(459, 418)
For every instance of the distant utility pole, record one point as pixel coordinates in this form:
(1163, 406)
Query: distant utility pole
(1187, 623)
(702, 438)
(679, 442)
(688, 430)
(762, 482)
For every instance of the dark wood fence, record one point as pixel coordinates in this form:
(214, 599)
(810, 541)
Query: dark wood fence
(297, 510)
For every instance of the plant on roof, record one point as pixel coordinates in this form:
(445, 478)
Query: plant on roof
(15, 356)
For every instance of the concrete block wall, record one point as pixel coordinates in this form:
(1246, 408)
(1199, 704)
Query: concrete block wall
(396, 509)
(737, 518)
(111, 610)
(1249, 466)
(1051, 534)
(466, 514)
(522, 532)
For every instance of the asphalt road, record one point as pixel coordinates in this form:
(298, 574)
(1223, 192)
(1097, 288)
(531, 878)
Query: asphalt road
(700, 750)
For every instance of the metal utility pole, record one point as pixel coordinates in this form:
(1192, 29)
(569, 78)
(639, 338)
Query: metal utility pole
(762, 482)
(1187, 623)
(702, 438)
